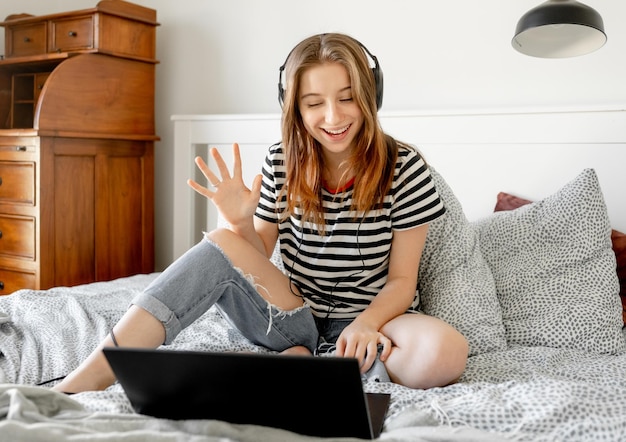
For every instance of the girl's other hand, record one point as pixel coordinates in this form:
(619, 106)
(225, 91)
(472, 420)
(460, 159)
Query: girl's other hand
(360, 341)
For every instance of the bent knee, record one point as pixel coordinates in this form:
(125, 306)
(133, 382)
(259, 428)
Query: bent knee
(454, 357)
(451, 352)
(220, 236)
(444, 362)
(231, 244)
(433, 360)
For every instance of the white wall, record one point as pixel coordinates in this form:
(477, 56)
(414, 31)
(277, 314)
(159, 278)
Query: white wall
(223, 57)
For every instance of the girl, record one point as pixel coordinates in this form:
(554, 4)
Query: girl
(350, 207)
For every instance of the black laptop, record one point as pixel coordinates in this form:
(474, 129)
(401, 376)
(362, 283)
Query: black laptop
(316, 396)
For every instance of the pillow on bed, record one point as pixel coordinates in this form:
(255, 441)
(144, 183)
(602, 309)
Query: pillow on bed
(506, 201)
(554, 270)
(619, 247)
(455, 283)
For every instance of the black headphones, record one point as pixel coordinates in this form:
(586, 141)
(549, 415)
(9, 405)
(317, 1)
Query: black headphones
(378, 78)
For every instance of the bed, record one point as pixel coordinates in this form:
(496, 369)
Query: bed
(529, 263)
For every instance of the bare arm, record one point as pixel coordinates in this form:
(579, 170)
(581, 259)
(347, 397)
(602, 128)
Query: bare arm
(361, 338)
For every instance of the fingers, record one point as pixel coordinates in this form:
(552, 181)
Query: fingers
(209, 175)
(213, 180)
(365, 351)
(386, 343)
(370, 356)
(200, 189)
(256, 186)
(223, 167)
(236, 161)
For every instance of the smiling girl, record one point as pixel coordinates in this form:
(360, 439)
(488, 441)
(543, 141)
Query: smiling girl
(350, 208)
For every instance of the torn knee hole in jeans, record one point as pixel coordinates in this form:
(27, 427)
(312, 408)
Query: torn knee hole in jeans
(273, 310)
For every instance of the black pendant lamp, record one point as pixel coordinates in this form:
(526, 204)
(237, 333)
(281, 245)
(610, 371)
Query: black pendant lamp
(558, 29)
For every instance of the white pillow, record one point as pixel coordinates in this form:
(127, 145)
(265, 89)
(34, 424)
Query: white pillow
(554, 270)
(455, 283)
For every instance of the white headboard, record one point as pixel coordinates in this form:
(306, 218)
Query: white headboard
(529, 153)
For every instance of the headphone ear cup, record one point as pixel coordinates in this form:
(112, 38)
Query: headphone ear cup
(378, 79)
(281, 95)
(281, 90)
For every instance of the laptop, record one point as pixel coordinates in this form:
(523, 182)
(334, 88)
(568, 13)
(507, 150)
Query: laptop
(315, 396)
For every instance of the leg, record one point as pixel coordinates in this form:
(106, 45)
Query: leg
(137, 328)
(247, 288)
(281, 321)
(427, 351)
(274, 284)
(185, 290)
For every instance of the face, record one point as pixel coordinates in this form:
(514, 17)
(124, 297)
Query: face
(329, 113)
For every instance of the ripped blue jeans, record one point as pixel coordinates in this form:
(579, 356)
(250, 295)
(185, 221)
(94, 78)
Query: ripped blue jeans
(204, 276)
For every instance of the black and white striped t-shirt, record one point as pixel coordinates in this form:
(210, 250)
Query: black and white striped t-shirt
(339, 273)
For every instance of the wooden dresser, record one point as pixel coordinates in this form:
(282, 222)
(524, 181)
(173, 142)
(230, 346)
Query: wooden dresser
(76, 146)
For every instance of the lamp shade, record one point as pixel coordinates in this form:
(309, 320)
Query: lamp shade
(558, 29)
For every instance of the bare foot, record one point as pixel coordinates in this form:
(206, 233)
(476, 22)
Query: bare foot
(79, 381)
(92, 375)
(297, 350)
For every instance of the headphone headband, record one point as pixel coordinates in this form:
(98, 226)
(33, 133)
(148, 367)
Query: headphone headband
(376, 70)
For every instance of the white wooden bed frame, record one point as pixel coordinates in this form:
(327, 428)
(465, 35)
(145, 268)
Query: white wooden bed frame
(529, 153)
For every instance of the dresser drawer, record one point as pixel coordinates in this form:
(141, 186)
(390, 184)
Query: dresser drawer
(17, 236)
(27, 39)
(12, 280)
(71, 34)
(17, 182)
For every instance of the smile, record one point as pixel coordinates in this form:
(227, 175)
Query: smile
(337, 131)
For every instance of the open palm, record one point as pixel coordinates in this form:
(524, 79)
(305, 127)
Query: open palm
(235, 202)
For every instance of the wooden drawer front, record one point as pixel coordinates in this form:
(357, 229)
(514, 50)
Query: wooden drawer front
(12, 280)
(17, 236)
(71, 34)
(17, 182)
(26, 40)
(119, 35)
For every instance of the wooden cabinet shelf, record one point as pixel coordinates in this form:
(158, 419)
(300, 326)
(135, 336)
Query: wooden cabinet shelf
(25, 91)
(77, 146)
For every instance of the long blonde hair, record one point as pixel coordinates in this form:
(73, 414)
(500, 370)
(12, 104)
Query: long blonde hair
(375, 155)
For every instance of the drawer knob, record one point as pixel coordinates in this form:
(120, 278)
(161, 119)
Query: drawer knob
(72, 33)
(27, 40)
(1, 285)
(20, 148)
(0, 181)
(0, 233)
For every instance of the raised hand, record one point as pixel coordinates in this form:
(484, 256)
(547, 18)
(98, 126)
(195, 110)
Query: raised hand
(235, 202)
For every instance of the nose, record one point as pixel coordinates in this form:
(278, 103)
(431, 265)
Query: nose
(333, 114)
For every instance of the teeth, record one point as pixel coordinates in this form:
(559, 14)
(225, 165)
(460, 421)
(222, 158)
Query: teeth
(337, 132)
